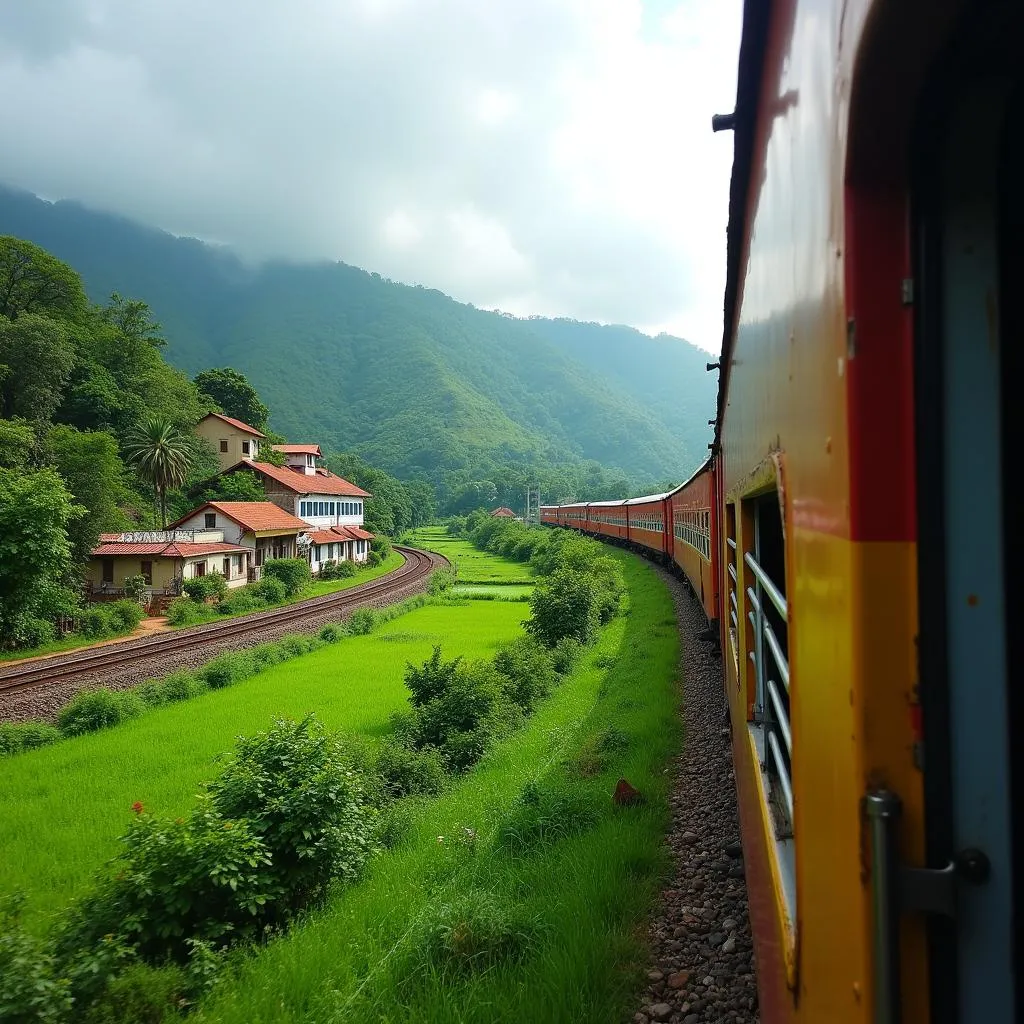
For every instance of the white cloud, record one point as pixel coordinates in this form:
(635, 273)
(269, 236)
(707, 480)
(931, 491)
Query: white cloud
(543, 156)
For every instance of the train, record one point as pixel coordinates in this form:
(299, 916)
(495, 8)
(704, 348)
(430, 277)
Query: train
(849, 535)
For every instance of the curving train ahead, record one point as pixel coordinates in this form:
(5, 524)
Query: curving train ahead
(850, 534)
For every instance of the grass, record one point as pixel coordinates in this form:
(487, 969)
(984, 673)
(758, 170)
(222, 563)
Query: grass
(472, 564)
(62, 807)
(540, 918)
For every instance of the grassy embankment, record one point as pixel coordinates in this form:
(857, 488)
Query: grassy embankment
(551, 894)
(477, 573)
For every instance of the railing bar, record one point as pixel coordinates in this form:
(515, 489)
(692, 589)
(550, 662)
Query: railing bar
(734, 622)
(732, 572)
(766, 581)
(753, 599)
(731, 543)
(780, 658)
(781, 773)
(781, 718)
(732, 598)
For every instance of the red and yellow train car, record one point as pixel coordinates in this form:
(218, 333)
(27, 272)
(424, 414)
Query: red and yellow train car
(647, 524)
(606, 519)
(695, 535)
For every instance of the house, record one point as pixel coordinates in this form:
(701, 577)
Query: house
(164, 558)
(503, 513)
(232, 440)
(264, 529)
(338, 544)
(310, 492)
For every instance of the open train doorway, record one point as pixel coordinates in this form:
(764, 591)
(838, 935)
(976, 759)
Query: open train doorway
(968, 264)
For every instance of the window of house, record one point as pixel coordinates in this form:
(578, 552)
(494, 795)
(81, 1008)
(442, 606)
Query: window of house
(199, 569)
(332, 508)
(226, 568)
(210, 520)
(309, 460)
(223, 446)
(108, 570)
(245, 447)
(147, 573)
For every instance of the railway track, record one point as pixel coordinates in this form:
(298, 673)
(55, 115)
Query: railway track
(72, 667)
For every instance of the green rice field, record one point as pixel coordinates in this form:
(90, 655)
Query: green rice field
(471, 564)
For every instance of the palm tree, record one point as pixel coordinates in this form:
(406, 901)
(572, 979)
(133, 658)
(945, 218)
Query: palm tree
(161, 455)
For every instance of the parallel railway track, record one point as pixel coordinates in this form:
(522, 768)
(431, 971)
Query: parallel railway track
(71, 667)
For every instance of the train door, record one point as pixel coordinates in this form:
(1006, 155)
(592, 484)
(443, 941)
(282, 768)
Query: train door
(969, 231)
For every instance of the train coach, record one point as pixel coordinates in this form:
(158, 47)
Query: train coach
(851, 530)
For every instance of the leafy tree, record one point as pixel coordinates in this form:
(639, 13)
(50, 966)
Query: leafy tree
(36, 511)
(160, 454)
(390, 509)
(94, 473)
(133, 321)
(240, 486)
(17, 443)
(33, 281)
(423, 501)
(234, 394)
(38, 358)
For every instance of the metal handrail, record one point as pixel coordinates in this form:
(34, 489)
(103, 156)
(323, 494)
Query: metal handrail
(783, 775)
(766, 582)
(776, 649)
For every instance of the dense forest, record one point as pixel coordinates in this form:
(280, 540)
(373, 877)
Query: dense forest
(469, 404)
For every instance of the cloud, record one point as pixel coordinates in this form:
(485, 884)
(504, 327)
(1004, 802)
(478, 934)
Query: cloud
(541, 156)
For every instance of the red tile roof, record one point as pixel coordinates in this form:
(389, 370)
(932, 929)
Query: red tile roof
(504, 513)
(321, 482)
(163, 549)
(342, 533)
(250, 515)
(235, 423)
(297, 449)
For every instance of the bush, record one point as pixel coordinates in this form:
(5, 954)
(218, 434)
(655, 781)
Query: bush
(126, 615)
(432, 679)
(183, 611)
(241, 602)
(292, 572)
(441, 581)
(269, 589)
(293, 786)
(565, 604)
(565, 655)
(362, 621)
(337, 570)
(95, 622)
(528, 669)
(405, 771)
(140, 994)
(373, 559)
(332, 633)
(382, 545)
(204, 588)
(135, 588)
(16, 737)
(33, 632)
(180, 686)
(544, 815)
(227, 669)
(31, 988)
(91, 710)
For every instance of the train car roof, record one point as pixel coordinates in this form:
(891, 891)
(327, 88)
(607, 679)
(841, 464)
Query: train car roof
(700, 471)
(596, 504)
(648, 497)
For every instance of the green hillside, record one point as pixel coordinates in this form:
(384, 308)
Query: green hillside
(406, 377)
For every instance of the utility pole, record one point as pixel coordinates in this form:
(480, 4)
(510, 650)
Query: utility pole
(532, 504)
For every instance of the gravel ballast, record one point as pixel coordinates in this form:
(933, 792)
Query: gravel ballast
(702, 962)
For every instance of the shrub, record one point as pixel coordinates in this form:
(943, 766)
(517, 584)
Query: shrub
(241, 602)
(382, 545)
(126, 615)
(31, 988)
(227, 669)
(95, 622)
(406, 771)
(18, 736)
(203, 588)
(33, 632)
(270, 589)
(432, 679)
(373, 559)
(332, 633)
(135, 588)
(292, 572)
(362, 621)
(528, 669)
(180, 686)
(141, 994)
(544, 815)
(565, 655)
(441, 581)
(183, 611)
(337, 570)
(565, 604)
(90, 710)
(293, 786)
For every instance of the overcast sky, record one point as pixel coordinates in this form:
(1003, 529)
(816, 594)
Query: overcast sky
(537, 156)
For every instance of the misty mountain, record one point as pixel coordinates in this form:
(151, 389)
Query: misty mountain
(406, 377)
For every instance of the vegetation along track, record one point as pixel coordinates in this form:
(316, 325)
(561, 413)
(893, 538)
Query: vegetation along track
(39, 687)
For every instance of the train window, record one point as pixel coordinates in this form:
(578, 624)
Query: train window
(764, 581)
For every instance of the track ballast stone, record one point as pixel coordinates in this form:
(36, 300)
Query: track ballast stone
(702, 960)
(44, 701)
